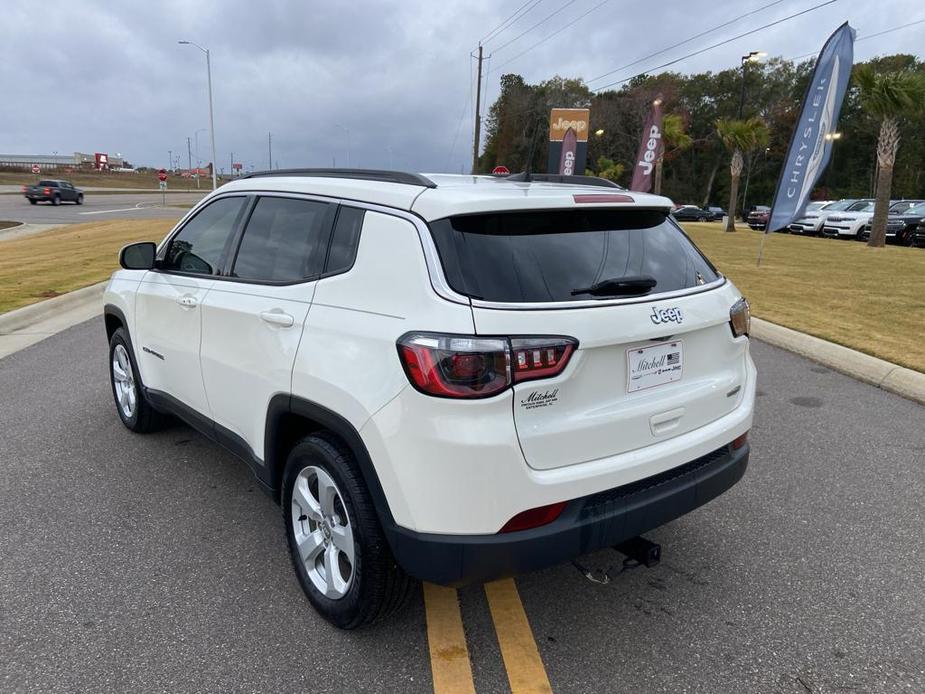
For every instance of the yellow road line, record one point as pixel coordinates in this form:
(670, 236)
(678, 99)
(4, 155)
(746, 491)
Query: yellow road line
(525, 670)
(449, 655)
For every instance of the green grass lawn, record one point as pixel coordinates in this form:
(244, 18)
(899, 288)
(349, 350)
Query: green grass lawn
(38, 267)
(872, 300)
(869, 299)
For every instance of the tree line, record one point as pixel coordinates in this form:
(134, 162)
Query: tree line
(696, 166)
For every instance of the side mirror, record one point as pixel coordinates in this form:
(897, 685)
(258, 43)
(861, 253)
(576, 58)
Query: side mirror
(138, 256)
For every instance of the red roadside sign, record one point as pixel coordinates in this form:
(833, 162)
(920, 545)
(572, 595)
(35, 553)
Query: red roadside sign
(36, 168)
(500, 171)
(162, 175)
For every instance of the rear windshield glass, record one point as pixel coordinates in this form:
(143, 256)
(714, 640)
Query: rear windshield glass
(542, 256)
(51, 184)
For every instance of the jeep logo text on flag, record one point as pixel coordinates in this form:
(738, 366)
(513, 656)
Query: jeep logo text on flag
(650, 149)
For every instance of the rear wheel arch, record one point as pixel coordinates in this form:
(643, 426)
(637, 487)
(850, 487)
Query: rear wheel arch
(291, 418)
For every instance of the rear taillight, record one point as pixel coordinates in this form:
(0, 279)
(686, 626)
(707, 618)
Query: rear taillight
(540, 357)
(462, 366)
(47, 191)
(740, 318)
(24, 189)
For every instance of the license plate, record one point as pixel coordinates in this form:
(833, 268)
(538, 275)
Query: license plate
(649, 367)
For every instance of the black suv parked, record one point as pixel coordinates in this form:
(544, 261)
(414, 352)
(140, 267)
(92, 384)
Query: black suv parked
(901, 225)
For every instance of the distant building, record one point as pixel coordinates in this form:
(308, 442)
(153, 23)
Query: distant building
(78, 160)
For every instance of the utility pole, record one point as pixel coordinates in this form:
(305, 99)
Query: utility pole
(232, 165)
(170, 160)
(478, 120)
(270, 149)
(189, 160)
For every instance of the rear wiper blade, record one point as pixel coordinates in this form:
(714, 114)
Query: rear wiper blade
(620, 286)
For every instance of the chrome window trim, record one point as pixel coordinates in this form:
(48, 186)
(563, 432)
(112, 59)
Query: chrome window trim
(432, 259)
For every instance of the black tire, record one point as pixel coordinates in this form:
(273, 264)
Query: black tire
(379, 587)
(143, 418)
(32, 202)
(701, 219)
(79, 200)
(56, 200)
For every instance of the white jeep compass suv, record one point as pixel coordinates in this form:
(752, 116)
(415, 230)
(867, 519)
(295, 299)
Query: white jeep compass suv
(446, 378)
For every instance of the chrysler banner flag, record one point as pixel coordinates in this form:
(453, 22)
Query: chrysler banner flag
(810, 150)
(649, 149)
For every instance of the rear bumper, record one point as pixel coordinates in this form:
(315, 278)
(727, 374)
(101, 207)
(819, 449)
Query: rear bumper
(586, 525)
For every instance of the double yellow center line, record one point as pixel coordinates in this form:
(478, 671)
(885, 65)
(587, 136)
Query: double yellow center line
(449, 654)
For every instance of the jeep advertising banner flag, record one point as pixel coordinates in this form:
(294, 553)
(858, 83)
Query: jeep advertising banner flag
(568, 131)
(569, 152)
(649, 149)
(810, 150)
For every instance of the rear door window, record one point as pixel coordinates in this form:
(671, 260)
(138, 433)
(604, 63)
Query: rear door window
(344, 240)
(563, 255)
(285, 240)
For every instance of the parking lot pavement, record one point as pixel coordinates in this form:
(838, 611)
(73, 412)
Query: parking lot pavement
(131, 563)
(97, 207)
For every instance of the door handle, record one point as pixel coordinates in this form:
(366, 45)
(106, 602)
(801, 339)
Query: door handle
(277, 317)
(187, 301)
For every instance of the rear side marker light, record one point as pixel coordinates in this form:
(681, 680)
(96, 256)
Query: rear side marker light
(469, 367)
(534, 518)
(739, 441)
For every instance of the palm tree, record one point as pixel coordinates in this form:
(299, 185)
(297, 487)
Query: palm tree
(674, 139)
(887, 97)
(740, 137)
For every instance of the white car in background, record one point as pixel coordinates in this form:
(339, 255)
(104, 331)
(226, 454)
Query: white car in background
(817, 212)
(848, 224)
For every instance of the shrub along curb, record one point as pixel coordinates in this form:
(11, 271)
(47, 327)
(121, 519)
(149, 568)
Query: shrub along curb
(883, 374)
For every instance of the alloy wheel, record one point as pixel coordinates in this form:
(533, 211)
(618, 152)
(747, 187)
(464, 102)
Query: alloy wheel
(323, 533)
(123, 380)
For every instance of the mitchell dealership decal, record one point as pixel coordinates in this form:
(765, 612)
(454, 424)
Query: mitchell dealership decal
(540, 398)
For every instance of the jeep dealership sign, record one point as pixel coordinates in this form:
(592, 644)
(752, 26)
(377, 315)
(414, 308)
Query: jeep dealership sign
(568, 140)
(650, 149)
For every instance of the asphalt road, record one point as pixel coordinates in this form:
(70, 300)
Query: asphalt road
(96, 207)
(153, 563)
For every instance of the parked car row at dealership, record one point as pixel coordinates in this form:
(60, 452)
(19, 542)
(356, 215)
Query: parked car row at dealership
(851, 219)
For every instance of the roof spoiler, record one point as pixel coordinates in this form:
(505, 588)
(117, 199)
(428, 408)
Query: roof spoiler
(576, 180)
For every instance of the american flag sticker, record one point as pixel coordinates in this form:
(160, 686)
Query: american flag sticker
(674, 358)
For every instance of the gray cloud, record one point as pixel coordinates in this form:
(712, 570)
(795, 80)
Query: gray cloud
(94, 76)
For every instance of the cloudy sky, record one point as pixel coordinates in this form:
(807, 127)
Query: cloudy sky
(396, 74)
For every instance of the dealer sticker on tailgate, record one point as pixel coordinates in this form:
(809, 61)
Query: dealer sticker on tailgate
(648, 367)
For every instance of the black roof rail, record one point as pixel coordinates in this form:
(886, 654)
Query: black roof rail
(411, 179)
(575, 180)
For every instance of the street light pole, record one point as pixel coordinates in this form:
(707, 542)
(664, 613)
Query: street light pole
(752, 57)
(211, 117)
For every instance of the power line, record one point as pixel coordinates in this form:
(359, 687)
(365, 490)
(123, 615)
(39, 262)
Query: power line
(542, 21)
(716, 45)
(557, 31)
(507, 23)
(688, 40)
(869, 36)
